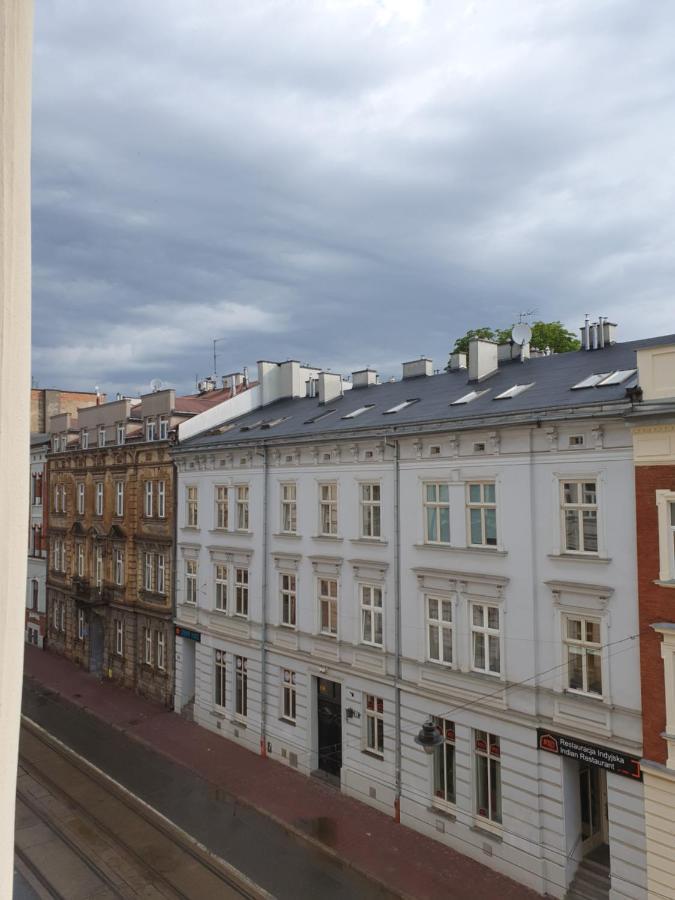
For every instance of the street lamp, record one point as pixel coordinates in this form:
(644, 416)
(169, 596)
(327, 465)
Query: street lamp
(429, 737)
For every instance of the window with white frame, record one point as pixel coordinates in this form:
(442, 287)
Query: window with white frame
(55, 614)
(101, 436)
(374, 724)
(119, 498)
(84, 439)
(80, 624)
(191, 506)
(328, 605)
(80, 498)
(56, 443)
(444, 763)
(160, 644)
(119, 637)
(98, 565)
(222, 510)
(118, 560)
(579, 502)
(485, 639)
(583, 655)
(371, 524)
(288, 599)
(219, 682)
(439, 629)
(289, 510)
(161, 499)
(242, 499)
(148, 504)
(436, 513)
(80, 559)
(671, 537)
(121, 433)
(328, 509)
(191, 581)
(288, 697)
(370, 596)
(147, 571)
(150, 430)
(99, 498)
(482, 509)
(147, 642)
(665, 507)
(163, 428)
(241, 686)
(221, 587)
(160, 587)
(241, 591)
(487, 752)
(63, 615)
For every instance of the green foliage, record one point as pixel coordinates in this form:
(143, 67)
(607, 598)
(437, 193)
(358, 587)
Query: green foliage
(462, 344)
(553, 335)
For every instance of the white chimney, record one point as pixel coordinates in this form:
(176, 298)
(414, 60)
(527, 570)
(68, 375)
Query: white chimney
(364, 378)
(330, 386)
(483, 359)
(457, 361)
(417, 367)
(609, 332)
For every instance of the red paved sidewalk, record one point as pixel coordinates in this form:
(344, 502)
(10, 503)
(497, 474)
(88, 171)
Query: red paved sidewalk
(405, 861)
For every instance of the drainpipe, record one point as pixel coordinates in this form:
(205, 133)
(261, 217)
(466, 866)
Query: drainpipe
(263, 633)
(397, 624)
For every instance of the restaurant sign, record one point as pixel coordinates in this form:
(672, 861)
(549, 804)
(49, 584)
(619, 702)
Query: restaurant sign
(603, 757)
(187, 633)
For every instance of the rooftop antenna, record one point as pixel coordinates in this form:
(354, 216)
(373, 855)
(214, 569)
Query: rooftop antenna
(216, 341)
(526, 315)
(155, 384)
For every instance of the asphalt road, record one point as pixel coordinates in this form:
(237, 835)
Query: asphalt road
(278, 861)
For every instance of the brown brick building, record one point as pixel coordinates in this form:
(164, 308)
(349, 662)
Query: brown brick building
(111, 537)
(48, 402)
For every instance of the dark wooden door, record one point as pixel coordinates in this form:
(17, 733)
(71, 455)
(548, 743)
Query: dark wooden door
(329, 712)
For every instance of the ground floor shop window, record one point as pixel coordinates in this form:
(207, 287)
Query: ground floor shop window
(219, 697)
(375, 724)
(444, 762)
(288, 695)
(488, 776)
(241, 686)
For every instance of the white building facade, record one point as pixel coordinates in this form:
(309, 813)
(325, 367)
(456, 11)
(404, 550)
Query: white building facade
(36, 594)
(340, 583)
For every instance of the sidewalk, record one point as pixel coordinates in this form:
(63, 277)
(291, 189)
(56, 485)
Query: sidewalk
(364, 838)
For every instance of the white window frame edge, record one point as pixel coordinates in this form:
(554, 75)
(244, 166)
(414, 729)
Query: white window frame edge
(663, 499)
(561, 612)
(599, 478)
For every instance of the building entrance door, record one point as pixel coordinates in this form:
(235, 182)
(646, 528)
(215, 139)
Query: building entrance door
(329, 715)
(594, 826)
(96, 640)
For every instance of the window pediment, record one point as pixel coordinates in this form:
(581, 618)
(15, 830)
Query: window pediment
(578, 594)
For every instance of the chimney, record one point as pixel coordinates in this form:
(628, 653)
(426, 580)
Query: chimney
(364, 378)
(421, 366)
(608, 332)
(483, 360)
(457, 361)
(330, 386)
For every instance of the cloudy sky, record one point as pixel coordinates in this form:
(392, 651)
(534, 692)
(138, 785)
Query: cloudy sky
(344, 182)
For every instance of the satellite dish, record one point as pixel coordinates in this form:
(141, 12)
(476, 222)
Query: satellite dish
(155, 384)
(521, 334)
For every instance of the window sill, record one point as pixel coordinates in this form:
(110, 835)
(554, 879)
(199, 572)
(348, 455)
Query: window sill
(441, 810)
(488, 829)
(369, 542)
(327, 537)
(327, 634)
(185, 527)
(376, 648)
(239, 721)
(287, 721)
(580, 557)
(287, 626)
(453, 548)
(596, 698)
(293, 535)
(217, 714)
(665, 584)
(244, 532)
(373, 755)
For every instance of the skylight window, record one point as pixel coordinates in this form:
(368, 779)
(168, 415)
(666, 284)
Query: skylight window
(617, 377)
(467, 398)
(400, 406)
(591, 381)
(272, 422)
(514, 391)
(359, 411)
(319, 416)
(251, 426)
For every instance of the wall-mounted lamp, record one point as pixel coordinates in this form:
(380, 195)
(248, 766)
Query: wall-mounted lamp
(429, 737)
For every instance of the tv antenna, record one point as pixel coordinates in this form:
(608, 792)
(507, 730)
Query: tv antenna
(523, 316)
(216, 341)
(155, 384)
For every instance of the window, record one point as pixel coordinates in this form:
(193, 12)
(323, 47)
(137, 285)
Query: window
(163, 428)
(191, 506)
(80, 624)
(580, 516)
(80, 560)
(119, 498)
(161, 645)
(221, 588)
(80, 498)
(62, 606)
(370, 511)
(399, 407)
(513, 391)
(444, 763)
(375, 724)
(241, 686)
(99, 498)
(437, 513)
(242, 507)
(485, 639)
(221, 506)
(359, 411)
(670, 531)
(56, 443)
(98, 565)
(328, 510)
(482, 508)
(488, 776)
(147, 571)
(219, 686)
(150, 430)
(191, 581)
(101, 436)
(147, 510)
(56, 615)
(468, 398)
(147, 641)
(161, 499)
(328, 605)
(288, 599)
(35, 593)
(439, 630)
(288, 695)
(84, 437)
(119, 637)
(289, 512)
(118, 557)
(371, 614)
(583, 655)
(160, 587)
(241, 592)
(120, 432)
